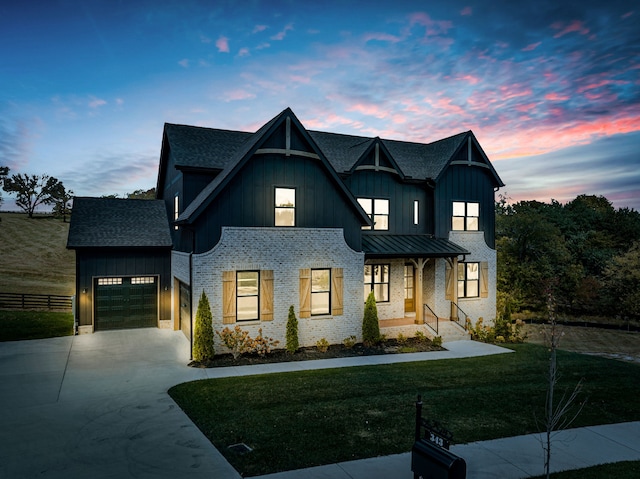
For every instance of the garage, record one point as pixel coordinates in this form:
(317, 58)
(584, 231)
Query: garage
(126, 302)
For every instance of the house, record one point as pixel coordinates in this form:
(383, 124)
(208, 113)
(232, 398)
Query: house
(289, 216)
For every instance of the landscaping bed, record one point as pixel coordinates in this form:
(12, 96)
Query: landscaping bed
(389, 346)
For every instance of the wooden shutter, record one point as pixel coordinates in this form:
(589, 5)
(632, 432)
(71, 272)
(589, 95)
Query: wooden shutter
(266, 295)
(484, 279)
(449, 281)
(228, 297)
(305, 293)
(336, 291)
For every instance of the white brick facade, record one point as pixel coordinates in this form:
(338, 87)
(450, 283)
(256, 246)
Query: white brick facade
(284, 251)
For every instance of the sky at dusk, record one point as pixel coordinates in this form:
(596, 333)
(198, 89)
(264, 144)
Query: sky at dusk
(550, 88)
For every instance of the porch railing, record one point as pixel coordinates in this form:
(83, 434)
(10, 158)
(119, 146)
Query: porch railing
(461, 316)
(430, 318)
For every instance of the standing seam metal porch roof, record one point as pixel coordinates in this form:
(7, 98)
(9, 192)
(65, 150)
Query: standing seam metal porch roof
(397, 246)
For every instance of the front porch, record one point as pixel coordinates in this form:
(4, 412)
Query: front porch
(447, 329)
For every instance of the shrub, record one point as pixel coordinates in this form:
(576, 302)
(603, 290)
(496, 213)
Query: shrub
(401, 338)
(203, 349)
(503, 331)
(349, 342)
(322, 345)
(420, 336)
(437, 341)
(292, 332)
(237, 340)
(370, 326)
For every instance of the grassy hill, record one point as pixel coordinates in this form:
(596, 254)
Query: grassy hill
(33, 257)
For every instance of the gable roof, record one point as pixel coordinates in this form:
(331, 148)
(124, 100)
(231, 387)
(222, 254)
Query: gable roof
(242, 155)
(113, 222)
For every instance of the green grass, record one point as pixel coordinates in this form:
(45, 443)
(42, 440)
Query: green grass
(34, 255)
(18, 325)
(302, 419)
(619, 470)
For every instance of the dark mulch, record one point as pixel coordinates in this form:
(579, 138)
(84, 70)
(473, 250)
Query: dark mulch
(389, 346)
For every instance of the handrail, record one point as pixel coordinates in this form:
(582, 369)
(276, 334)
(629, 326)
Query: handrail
(430, 318)
(460, 321)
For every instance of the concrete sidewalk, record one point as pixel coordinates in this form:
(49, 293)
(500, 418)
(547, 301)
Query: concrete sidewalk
(97, 406)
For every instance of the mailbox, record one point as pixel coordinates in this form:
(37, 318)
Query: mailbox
(433, 462)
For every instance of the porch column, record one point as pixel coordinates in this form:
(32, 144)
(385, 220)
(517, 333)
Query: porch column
(453, 262)
(419, 264)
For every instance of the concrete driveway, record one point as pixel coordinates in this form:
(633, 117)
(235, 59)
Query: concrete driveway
(96, 406)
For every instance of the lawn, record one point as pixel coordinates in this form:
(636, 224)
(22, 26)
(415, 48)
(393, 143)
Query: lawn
(302, 419)
(619, 470)
(18, 325)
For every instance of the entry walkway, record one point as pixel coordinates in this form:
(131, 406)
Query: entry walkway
(97, 406)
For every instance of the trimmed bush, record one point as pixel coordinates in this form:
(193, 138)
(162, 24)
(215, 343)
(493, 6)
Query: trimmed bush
(370, 326)
(292, 332)
(203, 349)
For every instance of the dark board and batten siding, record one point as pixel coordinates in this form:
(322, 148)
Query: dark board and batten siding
(248, 200)
(100, 263)
(401, 195)
(470, 184)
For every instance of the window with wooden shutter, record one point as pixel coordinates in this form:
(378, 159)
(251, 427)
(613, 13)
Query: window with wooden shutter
(305, 293)
(266, 295)
(336, 291)
(228, 297)
(484, 279)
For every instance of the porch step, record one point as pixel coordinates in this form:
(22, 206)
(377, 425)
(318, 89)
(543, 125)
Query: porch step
(447, 330)
(451, 331)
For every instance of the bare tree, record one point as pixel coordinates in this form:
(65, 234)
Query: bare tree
(559, 414)
(31, 190)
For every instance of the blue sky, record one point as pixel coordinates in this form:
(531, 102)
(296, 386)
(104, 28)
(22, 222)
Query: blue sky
(550, 88)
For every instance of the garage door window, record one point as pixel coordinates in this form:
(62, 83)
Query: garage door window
(143, 280)
(109, 281)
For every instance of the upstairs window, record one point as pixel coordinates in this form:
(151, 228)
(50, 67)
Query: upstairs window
(285, 207)
(176, 209)
(416, 216)
(378, 211)
(466, 216)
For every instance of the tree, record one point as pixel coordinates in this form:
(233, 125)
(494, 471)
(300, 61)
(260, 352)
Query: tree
(622, 282)
(292, 332)
(203, 348)
(31, 190)
(61, 199)
(149, 194)
(4, 172)
(370, 325)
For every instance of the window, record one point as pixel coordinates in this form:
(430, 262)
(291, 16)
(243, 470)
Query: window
(285, 207)
(247, 295)
(109, 281)
(376, 279)
(176, 210)
(466, 216)
(378, 211)
(415, 212)
(468, 280)
(143, 280)
(320, 291)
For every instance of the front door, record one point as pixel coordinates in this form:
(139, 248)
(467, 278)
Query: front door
(409, 290)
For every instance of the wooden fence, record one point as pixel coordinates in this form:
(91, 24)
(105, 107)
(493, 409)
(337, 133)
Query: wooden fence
(36, 302)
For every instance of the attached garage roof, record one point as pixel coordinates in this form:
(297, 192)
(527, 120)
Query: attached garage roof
(111, 222)
(396, 246)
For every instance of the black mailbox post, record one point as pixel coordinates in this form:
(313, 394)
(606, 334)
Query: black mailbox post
(430, 457)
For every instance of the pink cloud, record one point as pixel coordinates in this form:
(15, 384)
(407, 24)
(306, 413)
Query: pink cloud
(471, 79)
(466, 11)
(259, 28)
(222, 44)
(243, 52)
(555, 97)
(575, 26)
(96, 102)
(238, 94)
(531, 47)
(432, 27)
(526, 107)
(370, 110)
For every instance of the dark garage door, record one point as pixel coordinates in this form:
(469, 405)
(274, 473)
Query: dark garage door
(126, 302)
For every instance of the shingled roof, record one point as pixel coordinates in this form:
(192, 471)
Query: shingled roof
(112, 222)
